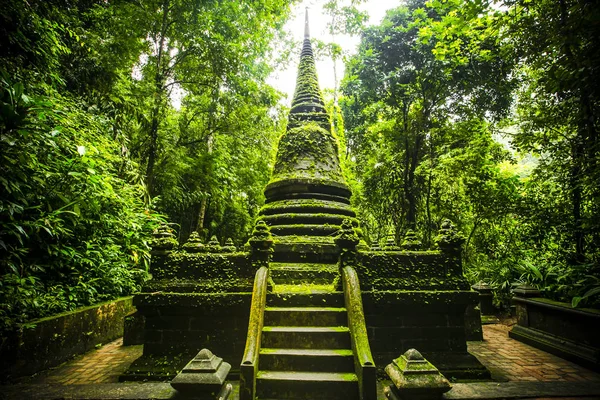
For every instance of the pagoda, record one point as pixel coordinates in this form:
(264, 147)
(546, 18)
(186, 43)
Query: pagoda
(306, 310)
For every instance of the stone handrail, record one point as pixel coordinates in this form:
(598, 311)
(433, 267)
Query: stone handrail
(249, 366)
(363, 360)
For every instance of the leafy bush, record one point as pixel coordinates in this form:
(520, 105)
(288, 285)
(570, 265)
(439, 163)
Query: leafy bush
(74, 229)
(556, 279)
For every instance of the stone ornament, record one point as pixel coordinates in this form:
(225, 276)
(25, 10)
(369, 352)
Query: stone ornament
(213, 245)
(448, 237)
(194, 244)
(203, 377)
(229, 246)
(261, 237)
(411, 241)
(163, 239)
(390, 242)
(347, 239)
(414, 377)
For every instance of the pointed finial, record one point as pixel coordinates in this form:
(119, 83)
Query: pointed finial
(306, 30)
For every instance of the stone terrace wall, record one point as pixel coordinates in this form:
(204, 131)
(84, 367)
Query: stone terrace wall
(50, 341)
(417, 299)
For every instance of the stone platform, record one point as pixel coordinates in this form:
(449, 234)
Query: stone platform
(518, 371)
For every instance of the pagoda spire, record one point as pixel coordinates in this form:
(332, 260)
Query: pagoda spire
(308, 104)
(307, 199)
(306, 28)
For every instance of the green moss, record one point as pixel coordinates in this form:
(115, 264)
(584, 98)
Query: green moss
(303, 288)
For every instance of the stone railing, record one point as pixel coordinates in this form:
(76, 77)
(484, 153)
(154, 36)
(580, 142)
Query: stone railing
(363, 360)
(249, 366)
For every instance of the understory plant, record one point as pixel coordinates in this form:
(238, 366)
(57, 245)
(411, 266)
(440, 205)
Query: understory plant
(74, 229)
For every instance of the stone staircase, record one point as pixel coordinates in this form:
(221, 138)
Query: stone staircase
(305, 349)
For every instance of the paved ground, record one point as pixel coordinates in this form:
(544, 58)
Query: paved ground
(511, 360)
(520, 371)
(103, 365)
(507, 359)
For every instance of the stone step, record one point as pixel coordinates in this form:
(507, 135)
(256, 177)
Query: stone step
(319, 288)
(306, 316)
(316, 298)
(307, 385)
(307, 206)
(304, 229)
(289, 197)
(319, 218)
(306, 337)
(300, 273)
(316, 360)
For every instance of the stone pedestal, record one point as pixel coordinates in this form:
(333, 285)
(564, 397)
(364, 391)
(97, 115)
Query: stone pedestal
(414, 378)
(203, 378)
(473, 320)
(486, 303)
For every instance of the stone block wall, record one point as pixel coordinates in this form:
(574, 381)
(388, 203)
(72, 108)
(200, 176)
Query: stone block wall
(178, 325)
(560, 329)
(418, 299)
(431, 322)
(48, 342)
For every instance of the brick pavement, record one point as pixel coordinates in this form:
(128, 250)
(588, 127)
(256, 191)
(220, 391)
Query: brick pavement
(103, 365)
(506, 358)
(511, 360)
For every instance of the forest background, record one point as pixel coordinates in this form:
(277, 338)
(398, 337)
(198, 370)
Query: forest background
(482, 112)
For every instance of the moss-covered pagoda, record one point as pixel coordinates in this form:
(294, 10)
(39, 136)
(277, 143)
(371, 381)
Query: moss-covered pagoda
(306, 310)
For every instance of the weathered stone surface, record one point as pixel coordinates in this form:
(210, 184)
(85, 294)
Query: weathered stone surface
(204, 376)
(414, 377)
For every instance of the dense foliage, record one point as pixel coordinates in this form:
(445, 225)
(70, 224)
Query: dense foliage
(116, 117)
(484, 113)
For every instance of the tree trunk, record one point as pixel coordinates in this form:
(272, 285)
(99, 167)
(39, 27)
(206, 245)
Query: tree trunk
(201, 214)
(577, 198)
(159, 79)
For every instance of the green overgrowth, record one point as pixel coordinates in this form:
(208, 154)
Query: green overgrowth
(74, 227)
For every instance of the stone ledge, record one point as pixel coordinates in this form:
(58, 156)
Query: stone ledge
(579, 353)
(52, 340)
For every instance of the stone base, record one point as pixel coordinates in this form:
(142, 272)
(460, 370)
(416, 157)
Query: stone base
(133, 329)
(454, 365)
(458, 365)
(179, 325)
(157, 369)
(581, 354)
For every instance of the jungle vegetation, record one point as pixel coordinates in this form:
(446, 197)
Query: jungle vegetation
(118, 116)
